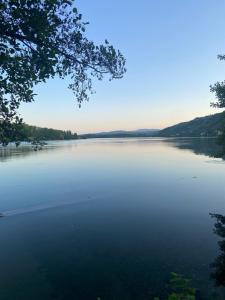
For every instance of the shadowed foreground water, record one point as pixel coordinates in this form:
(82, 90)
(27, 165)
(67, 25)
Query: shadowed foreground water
(108, 218)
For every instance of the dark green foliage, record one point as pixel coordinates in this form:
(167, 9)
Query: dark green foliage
(42, 39)
(219, 89)
(181, 289)
(211, 126)
(218, 266)
(11, 131)
(33, 133)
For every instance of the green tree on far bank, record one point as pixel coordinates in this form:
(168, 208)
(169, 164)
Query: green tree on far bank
(33, 133)
(219, 90)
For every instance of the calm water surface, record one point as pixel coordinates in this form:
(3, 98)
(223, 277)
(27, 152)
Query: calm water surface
(108, 218)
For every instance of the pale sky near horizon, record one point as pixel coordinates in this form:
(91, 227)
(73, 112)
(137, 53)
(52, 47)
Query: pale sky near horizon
(171, 50)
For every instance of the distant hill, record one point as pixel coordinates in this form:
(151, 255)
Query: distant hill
(122, 133)
(208, 126)
(211, 126)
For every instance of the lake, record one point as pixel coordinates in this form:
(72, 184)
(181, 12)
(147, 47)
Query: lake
(108, 218)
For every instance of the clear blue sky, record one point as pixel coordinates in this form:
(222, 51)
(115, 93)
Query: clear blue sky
(170, 47)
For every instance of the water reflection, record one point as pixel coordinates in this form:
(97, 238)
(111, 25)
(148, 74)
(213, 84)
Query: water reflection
(27, 149)
(218, 266)
(200, 146)
(108, 218)
(13, 152)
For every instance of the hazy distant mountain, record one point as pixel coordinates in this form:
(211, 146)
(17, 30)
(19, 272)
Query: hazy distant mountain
(211, 126)
(122, 133)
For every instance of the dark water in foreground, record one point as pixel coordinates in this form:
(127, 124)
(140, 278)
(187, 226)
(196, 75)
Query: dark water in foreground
(108, 218)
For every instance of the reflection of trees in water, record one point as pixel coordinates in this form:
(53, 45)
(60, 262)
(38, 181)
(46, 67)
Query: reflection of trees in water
(28, 149)
(218, 266)
(203, 146)
(11, 152)
(209, 147)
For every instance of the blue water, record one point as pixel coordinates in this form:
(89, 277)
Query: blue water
(108, 218)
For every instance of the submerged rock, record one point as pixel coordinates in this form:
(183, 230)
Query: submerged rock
(1, 215)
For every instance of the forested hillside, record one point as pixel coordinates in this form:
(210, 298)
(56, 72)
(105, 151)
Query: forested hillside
(39, 133)
(212, 125)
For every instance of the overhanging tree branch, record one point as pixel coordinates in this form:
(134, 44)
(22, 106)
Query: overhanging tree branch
(42, 39)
